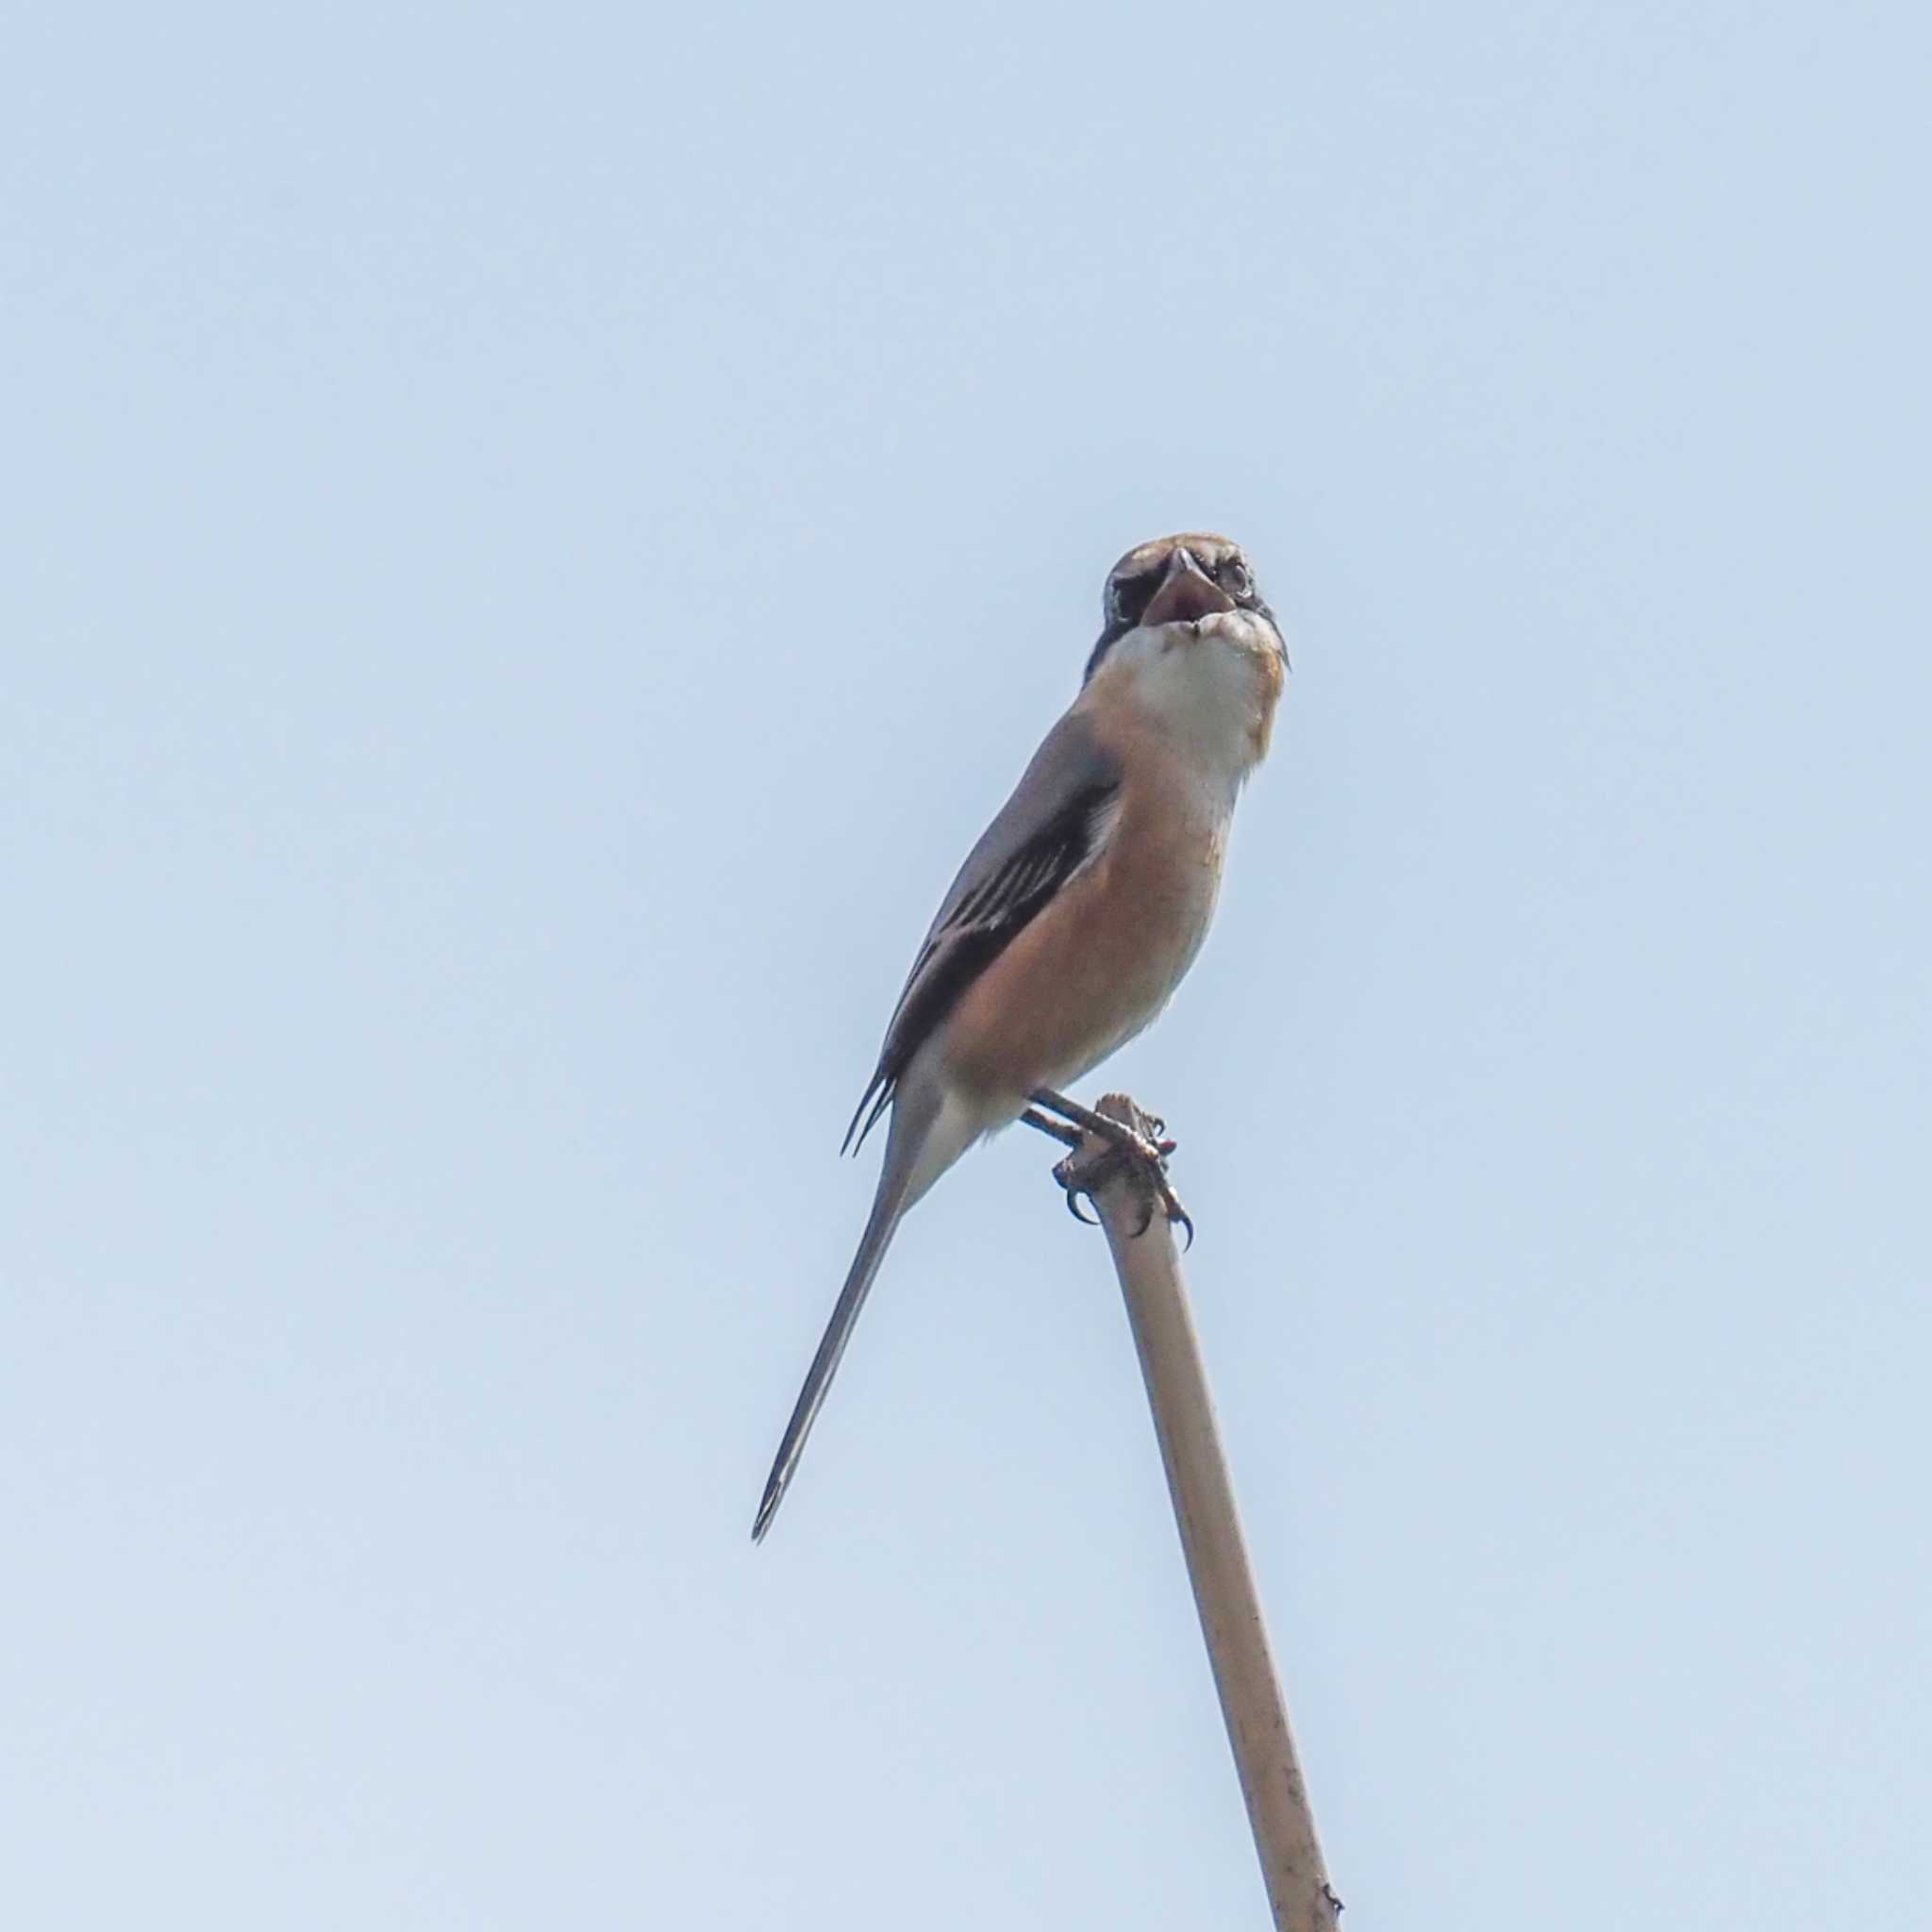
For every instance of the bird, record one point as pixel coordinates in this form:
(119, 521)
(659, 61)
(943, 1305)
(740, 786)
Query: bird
(1083, 904)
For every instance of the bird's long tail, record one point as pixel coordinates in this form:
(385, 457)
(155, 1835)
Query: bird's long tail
(888, 1209)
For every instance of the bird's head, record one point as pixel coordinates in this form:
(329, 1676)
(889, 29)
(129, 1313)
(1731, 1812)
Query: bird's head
(1186, 581)
(1188, 639)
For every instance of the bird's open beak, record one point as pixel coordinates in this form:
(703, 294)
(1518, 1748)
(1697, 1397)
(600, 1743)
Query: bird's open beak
(1186, 592)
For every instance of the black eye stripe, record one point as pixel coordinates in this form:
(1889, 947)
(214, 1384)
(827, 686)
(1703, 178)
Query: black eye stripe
(1132, 595)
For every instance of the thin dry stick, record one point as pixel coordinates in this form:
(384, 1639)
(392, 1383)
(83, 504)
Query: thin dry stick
(1149, 1270)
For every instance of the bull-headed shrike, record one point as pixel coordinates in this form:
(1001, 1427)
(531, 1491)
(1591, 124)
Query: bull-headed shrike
(1083, 904)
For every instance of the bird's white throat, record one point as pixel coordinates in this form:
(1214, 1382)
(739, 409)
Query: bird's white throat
(1210, 687)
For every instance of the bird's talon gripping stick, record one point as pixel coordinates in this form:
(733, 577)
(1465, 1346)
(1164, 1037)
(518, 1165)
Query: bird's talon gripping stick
(1123, 1148)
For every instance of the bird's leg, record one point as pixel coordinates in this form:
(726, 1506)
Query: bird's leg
(1126, 1146)
(1066, 1136)
(1119, 1133)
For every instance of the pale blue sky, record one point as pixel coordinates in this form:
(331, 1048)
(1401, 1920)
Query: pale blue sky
(535, 539)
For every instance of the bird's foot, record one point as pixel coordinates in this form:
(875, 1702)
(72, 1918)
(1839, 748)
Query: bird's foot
(1141, 1150)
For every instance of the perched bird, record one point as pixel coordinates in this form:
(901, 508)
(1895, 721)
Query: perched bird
(1077, 913)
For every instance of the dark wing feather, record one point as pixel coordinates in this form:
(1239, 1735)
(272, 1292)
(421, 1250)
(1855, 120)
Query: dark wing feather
(1051, 827)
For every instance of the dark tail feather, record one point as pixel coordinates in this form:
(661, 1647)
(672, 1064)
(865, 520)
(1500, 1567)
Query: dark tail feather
(878, 1096)
(887, 1209)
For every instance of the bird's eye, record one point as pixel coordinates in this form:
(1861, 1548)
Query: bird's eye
(1235, 578)
(1128, 596)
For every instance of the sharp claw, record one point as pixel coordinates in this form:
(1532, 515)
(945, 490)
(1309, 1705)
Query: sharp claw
(1147, 1151)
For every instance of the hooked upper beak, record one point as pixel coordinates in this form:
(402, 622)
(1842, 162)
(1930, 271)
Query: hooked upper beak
(1186, 592)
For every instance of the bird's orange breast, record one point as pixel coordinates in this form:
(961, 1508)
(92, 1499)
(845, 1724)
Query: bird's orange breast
(1102, 960)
